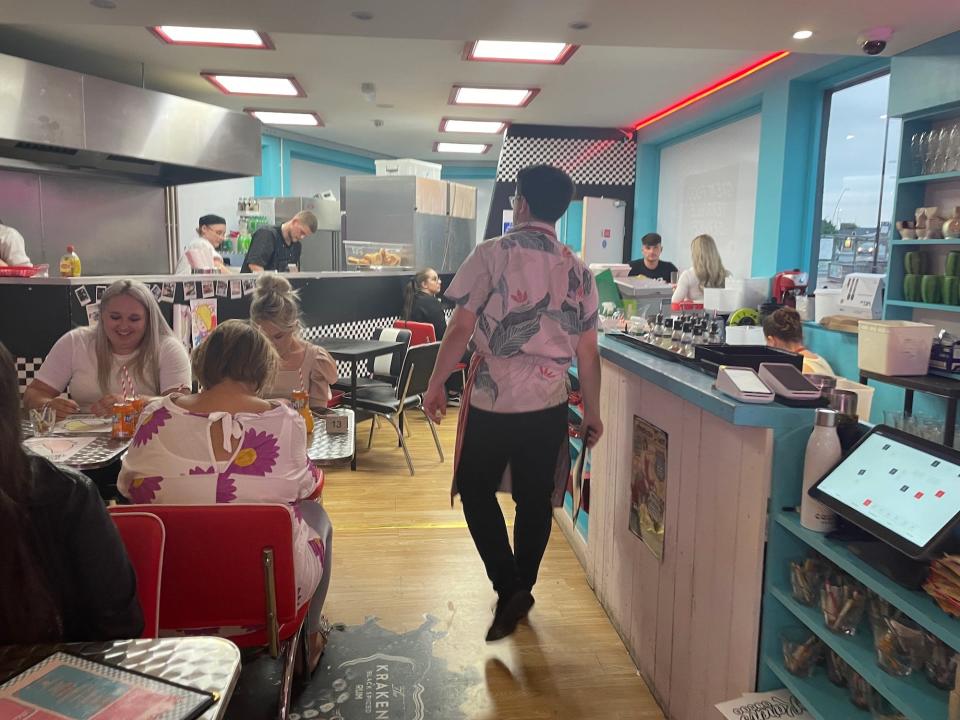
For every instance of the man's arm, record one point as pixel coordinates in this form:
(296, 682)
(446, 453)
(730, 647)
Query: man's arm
(455, 340)
(255, 268)
(260, 251)
(588, 370)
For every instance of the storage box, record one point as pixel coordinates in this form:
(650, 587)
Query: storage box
(723, 300)
(895, 347)
(619, 270)
(827, 303)
(407, 166)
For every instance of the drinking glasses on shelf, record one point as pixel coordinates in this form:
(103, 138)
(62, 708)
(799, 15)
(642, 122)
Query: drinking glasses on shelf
(953, 153)
(842, 601)
(801, 650)
(940, 158)
(930, 158)
(924, 144)
(916, 153)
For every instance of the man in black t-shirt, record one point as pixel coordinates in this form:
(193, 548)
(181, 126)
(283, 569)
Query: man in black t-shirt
(276, 247)
(651, 265)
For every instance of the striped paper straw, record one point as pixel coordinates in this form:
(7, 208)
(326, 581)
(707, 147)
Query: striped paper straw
(300, 372)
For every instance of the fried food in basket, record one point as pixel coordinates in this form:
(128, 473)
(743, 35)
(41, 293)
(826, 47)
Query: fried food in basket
(378, 258)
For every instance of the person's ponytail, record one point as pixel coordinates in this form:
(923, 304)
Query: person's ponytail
(409, 293)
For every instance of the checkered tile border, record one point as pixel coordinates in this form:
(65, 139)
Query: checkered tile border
(26, 370)
(588, 161)
(358, 330)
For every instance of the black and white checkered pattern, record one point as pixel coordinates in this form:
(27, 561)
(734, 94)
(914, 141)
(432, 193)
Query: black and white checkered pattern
(359, 330)
(26, 370)
(587, 161)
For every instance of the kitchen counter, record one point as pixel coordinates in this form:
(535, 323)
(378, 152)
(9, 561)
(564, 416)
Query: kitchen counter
(148, 279)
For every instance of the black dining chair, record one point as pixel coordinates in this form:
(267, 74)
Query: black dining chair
(386, 368)
(391, 403)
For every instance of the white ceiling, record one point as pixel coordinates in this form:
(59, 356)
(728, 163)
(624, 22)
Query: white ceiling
(635, 58)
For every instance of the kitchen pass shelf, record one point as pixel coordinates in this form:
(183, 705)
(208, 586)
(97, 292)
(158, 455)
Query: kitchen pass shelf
(913, 695)
(917, 605)
(821, 698)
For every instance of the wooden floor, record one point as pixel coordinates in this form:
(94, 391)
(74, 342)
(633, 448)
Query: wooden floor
(401, 552)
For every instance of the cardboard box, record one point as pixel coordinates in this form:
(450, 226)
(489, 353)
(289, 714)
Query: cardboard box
(862, 295)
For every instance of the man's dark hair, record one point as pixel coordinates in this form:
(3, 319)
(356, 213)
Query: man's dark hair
(548, 191)
(651, 239)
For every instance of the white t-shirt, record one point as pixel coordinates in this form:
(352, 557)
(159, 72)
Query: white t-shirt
(12, 248)
(688, 287)
(207, 252)
(72, 364)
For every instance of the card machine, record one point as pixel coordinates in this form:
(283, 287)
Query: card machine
(786, 381)
(743, 384)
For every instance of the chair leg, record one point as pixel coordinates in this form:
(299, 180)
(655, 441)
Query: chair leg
(289, 657)
(403, 445)
(433, 429)
(402, 429)
(373, 425)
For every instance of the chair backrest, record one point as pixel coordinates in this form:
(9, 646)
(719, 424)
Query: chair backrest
(390, 364)
(213, 569)
(143, 535)
(417, 368)
(420, 332)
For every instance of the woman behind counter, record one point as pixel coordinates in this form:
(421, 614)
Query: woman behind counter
(64, 572)
(90, 361)
(211, 231)
(707, 271)
(785, 331)
(275, 309)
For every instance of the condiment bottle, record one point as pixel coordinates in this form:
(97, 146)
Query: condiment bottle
(823, 452)
(675, 345)
(667, 334)
(301, 402)
(686, 340)
(70, 263)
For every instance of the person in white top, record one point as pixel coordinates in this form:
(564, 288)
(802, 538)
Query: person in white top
(784, 330)
(90, 361)
(211, 230)
(12, 248)
(707, 271)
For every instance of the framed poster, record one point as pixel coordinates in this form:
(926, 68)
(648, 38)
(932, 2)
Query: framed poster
(648, 484)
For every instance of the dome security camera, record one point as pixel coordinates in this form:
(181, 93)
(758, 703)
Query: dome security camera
(874, 42)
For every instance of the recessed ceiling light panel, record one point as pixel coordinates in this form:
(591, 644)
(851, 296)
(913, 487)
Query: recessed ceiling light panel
(469, 148)
(212, 37)
(253, 84)
(486, 127)
(286, 117)
(502, 97)
(548, 53)
(803, 34)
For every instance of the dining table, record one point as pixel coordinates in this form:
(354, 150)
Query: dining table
(207, 663)
(353, 351)
(327, 448)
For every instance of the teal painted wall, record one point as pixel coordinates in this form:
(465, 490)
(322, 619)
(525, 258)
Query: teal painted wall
(926, 77)
(571, 226)
(459, 172)
(278, 154)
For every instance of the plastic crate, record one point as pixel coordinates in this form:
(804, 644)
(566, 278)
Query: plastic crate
(406, 166)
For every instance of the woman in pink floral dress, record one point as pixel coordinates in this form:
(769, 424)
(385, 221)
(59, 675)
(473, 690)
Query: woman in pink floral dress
(226, 444)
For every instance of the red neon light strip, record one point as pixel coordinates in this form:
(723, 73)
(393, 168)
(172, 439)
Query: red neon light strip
(711, 89)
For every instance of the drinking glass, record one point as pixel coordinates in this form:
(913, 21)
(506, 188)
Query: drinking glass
(943, 150)
(924, 143)
(42, 419)
(933, 149)
(674, 276)
(916, 153)
(801, 650)
(954, 145)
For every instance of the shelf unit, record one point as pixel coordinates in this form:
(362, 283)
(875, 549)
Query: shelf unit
(936, 189)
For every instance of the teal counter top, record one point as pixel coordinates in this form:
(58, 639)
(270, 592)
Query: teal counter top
(697, 388)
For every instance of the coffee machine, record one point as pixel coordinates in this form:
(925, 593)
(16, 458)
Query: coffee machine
(787, 285)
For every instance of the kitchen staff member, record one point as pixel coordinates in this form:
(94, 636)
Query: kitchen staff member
(211, 231)
(12, 249)
(651, 265)
(276, 247)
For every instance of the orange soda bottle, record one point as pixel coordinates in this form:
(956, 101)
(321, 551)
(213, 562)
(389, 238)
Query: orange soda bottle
(301, 403)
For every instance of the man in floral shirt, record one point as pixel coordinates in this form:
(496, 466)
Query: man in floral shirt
(529, 306)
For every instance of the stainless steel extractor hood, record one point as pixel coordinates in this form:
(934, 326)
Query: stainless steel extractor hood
(55, 117)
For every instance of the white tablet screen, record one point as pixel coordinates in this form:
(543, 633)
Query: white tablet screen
(909, 492)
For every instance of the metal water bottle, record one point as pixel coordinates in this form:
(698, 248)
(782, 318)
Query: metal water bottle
(823, 452)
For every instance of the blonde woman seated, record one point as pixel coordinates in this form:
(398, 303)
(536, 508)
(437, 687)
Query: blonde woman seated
(785, 331)
(275, 309)
(707, 271)
(89, 362)
(226, 444)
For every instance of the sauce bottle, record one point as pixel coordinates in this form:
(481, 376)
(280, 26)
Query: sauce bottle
(70, 263)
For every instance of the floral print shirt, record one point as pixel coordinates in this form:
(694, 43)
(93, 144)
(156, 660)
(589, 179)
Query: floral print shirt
(171, 461)
(533, 298)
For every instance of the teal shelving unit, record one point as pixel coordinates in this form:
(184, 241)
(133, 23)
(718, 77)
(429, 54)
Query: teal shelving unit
(935, 189)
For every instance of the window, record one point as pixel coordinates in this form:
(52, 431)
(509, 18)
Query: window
(858, 180)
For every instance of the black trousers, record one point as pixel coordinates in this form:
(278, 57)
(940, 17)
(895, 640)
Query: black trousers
(530, 443)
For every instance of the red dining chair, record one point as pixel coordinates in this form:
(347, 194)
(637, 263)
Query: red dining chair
(143, 536)
(231, 566)
(420, 332)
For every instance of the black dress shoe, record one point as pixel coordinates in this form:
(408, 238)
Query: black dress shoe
(509, 612)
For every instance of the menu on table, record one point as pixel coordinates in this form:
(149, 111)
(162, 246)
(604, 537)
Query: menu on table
(68, 687)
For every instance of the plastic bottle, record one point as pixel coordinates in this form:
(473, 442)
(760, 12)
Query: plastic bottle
(70, 263)
(667, 333)
(823, 452)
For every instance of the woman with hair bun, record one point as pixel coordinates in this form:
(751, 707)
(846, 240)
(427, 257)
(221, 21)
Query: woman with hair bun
(784, 330)
(275, 309)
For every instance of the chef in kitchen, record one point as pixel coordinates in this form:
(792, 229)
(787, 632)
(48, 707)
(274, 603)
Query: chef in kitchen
(277, 247)
(203, 252)
(12, 248)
